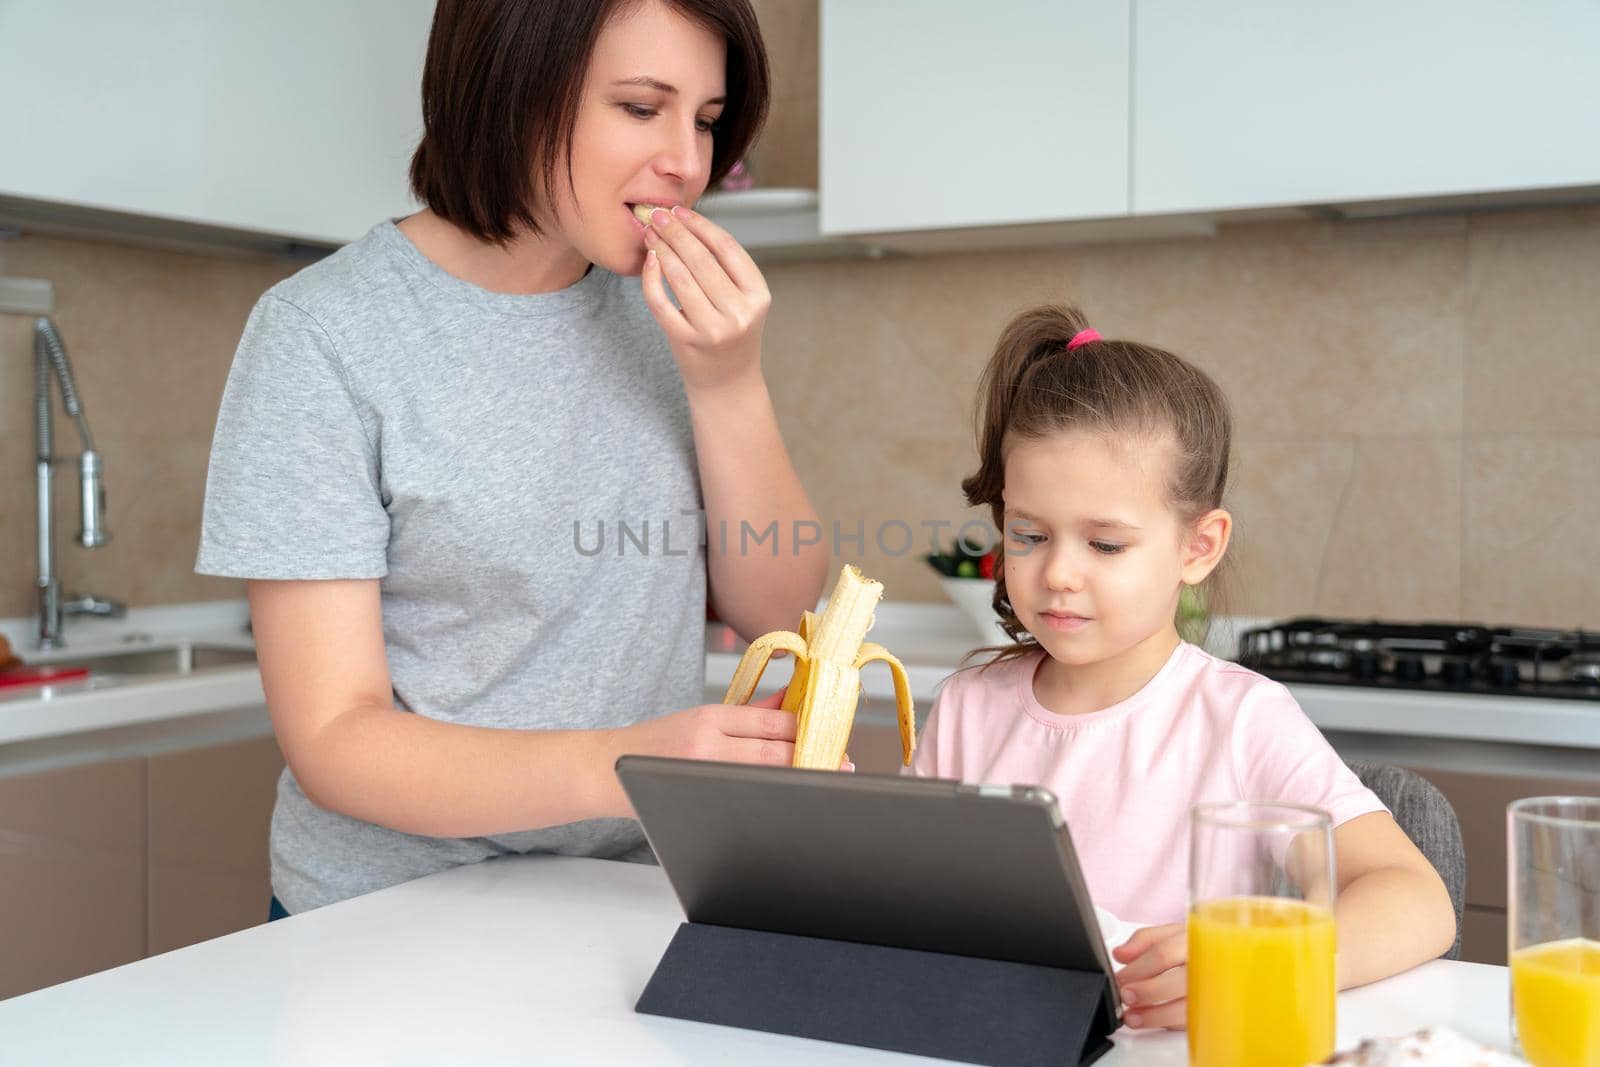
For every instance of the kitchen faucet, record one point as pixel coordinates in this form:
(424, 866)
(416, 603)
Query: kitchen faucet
(50, 356)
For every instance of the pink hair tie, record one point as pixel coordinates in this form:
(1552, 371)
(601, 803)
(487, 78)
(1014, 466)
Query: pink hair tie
(1083, 337)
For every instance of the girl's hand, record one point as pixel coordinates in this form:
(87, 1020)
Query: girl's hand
(716, 333)
(1155, 980)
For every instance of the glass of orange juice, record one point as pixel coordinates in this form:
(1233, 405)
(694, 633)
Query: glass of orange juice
(1553, 929)
(1261, 935)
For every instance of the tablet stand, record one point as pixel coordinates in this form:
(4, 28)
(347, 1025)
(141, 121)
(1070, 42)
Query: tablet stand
(905, 1000)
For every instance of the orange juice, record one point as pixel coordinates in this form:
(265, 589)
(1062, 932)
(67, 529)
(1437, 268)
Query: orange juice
(1260, 983)
(1555, 990)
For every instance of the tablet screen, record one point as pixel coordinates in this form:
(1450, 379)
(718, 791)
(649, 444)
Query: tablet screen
(909, 862)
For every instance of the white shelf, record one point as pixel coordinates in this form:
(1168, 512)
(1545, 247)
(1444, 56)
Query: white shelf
(779, 224)
(760, 203)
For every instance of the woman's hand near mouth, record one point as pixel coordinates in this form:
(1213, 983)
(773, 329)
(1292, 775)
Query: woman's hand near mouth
(746, 476)
(715, 333)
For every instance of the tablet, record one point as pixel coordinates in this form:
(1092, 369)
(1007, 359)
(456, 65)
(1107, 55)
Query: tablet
(917, 863)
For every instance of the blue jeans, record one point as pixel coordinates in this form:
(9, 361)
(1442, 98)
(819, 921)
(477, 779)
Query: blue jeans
(275, 911)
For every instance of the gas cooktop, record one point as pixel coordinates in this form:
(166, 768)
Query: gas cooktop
(1432, 656)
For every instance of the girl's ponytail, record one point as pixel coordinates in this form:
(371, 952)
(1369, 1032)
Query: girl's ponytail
(1028, 340)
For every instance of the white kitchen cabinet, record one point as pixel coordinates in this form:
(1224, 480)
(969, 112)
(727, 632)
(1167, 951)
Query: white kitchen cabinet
(295, 118)
(1252, 103)
(946, 113)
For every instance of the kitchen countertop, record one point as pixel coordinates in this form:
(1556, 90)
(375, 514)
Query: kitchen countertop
(931, 640)
(518, 960)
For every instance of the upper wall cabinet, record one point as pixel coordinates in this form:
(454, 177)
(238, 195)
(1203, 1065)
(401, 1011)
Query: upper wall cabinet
(1252, 103)
(293, 118)
(951, 113)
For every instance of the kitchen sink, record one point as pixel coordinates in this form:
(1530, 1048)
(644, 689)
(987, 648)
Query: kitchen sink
(158, 657)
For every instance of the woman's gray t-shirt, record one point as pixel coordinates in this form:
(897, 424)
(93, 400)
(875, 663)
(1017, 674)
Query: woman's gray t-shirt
(475, 452)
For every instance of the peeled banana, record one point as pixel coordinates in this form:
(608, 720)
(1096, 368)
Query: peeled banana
(828, 656)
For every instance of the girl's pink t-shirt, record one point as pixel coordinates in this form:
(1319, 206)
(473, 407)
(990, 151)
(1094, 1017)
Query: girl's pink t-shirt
(1202, 729)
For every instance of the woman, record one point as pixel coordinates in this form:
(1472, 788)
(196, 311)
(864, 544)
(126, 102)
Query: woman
(424, 436)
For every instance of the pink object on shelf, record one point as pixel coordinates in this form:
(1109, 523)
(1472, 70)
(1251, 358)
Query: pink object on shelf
(738, 178)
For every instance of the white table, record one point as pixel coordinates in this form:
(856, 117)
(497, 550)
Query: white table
(524, 960)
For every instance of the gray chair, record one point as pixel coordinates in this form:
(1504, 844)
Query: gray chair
(1429, 820)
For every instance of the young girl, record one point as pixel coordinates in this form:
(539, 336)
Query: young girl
(1104, 463)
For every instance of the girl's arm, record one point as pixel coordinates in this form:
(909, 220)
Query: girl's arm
(1393, 910)
(765, 577)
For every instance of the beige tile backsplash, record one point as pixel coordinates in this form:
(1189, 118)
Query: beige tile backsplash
(1531, 526)
(1418, 431)
(1357, 356)
(150, 334)
(1533, 326)
(787, 155)
(1418, 422)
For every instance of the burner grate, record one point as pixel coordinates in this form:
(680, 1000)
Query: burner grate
(1428, 656)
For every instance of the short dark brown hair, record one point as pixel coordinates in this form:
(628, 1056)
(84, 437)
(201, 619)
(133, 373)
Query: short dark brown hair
(500, 91)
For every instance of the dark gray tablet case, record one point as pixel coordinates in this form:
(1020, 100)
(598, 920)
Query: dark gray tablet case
(914, 914)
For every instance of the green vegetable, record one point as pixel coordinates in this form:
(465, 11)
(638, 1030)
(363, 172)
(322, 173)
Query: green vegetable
(1193, 616)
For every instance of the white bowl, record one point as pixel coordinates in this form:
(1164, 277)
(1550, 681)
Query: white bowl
(975, 596)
